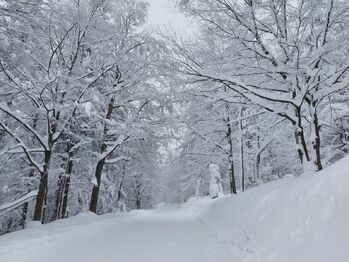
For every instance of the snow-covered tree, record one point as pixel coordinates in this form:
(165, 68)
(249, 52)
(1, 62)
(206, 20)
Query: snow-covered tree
(283, 56)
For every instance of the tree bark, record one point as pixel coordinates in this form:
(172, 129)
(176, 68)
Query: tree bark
(302, 148)
(31, 174)
(101, 162)
(42, 194)
(121, 184)
(242, 161)
(316, 142)
(232, 181)
(95, 190)
(258, 159)
(65, 197)
(138, 202)
(24, 214)
(63, 186)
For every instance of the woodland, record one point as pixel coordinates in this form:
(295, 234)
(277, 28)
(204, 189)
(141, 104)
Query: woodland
(99, 114)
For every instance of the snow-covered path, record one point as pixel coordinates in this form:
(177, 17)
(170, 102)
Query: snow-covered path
(303, 219)
(145, 236)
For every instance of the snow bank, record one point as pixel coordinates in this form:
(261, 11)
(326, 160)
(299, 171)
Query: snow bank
(37, 235)
(303, 219)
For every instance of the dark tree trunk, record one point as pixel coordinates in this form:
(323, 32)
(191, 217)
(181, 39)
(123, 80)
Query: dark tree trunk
(242, 161)
(232, 181)
(95, 190)
(316, 143)
(302, 149)
(101, 162)
(40, 205)
(63, 186)
(58, 201)
(242, 166)
(65, 197)
(42, 194)
(24, 214)
(138, 202)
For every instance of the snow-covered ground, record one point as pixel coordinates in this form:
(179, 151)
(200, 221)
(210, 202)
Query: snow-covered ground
(302, 219)
(145, 236)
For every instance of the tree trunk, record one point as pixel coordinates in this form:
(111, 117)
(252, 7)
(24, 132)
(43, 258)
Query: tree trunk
(138, 202)
(24, 214)
(242, 163)
(58, 200)
(95, 190)
(65, 197)
(315, 140)
(232, 181)
(63, 186)
(121, 184)
(302, 149)
(101, 162)
(42, 194)
(31, 174)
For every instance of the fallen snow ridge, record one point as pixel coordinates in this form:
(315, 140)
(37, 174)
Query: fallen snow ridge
(302, 219)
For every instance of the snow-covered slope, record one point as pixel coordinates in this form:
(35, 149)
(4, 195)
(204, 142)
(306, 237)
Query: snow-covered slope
(303, 219)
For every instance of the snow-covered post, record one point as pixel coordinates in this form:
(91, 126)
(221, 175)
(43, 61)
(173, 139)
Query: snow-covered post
(216, 188)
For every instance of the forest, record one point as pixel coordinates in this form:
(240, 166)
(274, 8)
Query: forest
(100, 114)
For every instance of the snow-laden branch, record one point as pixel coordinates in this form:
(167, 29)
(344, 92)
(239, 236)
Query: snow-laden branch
(121, 139)
(25, 149)
(5, 208)
(8, 111)
(264, 146)
(117, 159)
(207, 140)
(79, 101)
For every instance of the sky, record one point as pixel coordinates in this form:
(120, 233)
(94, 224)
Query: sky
(162, 14)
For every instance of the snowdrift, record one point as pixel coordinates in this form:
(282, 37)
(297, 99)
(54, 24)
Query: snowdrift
(304, 219)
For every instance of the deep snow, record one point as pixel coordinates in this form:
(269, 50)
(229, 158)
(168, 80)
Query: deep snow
(303, 219)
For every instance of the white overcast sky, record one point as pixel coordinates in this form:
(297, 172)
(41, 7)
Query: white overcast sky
(161, 14)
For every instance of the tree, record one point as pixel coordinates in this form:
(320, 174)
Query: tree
(54, 80)
(282, 56)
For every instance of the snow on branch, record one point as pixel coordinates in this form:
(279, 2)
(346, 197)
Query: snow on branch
(5, 208)
(8, 111)
(22, 145)
(121, 139)
(117, 159)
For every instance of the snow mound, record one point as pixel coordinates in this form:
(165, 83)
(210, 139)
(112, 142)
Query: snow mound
(303, 219)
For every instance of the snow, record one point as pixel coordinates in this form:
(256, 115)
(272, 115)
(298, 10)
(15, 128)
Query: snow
(94, 181)
(33, 224)
(116, 159)
(5, 108)
(302, 219)
(216, 188)
(143, 236)
(15, 204)
(88, 108)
